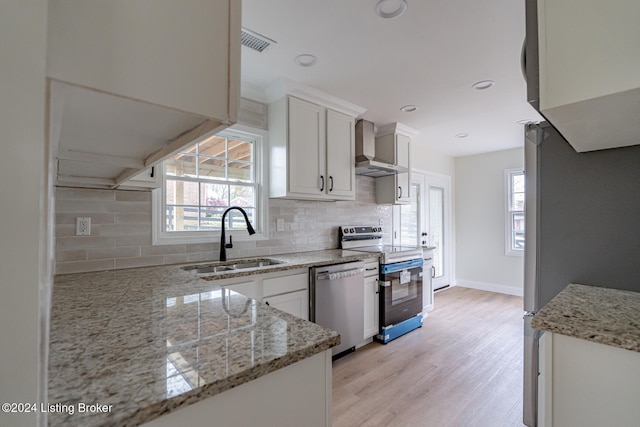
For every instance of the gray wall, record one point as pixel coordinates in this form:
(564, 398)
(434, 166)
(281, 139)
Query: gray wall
(589, 217)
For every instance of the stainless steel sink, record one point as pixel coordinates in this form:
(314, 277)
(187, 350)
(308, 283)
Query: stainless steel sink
(213, 269)
(232, 265)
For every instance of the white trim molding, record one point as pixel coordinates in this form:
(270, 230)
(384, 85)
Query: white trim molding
(160, 237)
(491, 287)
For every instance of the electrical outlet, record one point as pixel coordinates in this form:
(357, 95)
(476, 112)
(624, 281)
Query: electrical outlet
(280, 224)
(83, 226)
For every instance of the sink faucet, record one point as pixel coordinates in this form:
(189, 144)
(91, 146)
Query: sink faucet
(223, 244)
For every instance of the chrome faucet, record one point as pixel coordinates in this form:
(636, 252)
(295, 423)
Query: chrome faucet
(223, 244)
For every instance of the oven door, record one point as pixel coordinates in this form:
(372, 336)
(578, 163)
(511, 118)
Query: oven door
(400, 292)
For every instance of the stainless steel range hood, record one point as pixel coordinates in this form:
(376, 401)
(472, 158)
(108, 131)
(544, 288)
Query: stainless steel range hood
(366, 162)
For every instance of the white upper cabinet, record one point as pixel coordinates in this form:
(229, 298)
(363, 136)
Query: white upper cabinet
(132, 82)
(395, 148)
(341, 155)
(589, 70)
(307, 148)
(312, 151)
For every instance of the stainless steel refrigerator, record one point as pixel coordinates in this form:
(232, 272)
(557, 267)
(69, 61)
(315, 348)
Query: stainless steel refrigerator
(582, 226)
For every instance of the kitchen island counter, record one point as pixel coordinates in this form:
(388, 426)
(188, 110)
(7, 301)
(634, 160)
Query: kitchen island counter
(602, 315)
(147, 341)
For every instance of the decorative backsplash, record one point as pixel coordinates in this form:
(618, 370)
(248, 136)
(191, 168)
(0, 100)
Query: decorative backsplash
(121, 229)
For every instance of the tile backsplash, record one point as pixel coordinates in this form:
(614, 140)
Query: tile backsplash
(121, 229)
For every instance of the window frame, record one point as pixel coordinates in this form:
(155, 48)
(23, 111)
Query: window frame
(509, 247)
(162, 237)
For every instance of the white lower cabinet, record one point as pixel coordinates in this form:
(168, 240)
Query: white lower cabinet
(584, 383)
(371, 299)
(427, 281)
(302, 398)
(285, 290)
(295, 303)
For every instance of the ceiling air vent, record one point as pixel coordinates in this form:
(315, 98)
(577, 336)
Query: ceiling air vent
(255, 41)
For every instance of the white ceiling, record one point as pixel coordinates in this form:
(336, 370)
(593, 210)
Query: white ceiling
(430, 57)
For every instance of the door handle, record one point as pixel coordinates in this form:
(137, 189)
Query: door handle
(433, 271)
(331, 181)
(399, 192)
(322, 185)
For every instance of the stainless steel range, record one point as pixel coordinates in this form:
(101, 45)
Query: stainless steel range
(400, 279)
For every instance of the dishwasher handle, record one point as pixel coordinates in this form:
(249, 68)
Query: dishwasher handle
(341, 274)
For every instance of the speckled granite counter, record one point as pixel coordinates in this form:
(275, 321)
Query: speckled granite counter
(150, 340)
(602, 315)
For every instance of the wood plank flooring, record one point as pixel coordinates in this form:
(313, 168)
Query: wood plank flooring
(462, 368)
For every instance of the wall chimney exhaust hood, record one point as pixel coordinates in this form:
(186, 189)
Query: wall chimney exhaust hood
(367, 163)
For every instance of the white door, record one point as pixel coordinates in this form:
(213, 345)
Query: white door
(438, 193)
(426, 221)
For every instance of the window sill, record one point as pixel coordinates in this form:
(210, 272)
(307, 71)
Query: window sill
(181, 238)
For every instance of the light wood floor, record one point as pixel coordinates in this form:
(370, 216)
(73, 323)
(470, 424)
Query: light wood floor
(462, 368)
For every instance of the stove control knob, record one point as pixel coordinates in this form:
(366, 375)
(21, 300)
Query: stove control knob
(374, 229)
(351, 230)
(345, 230)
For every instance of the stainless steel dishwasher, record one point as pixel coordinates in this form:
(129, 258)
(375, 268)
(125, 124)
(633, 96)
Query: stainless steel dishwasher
(337, 303)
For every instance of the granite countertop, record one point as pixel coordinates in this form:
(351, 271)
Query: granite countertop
(602, 315)
(150, 340)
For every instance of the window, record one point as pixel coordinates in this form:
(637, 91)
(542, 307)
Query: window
(202, 181)
(514, 242)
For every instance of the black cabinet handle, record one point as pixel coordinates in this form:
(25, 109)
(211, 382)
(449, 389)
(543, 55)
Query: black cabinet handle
(331, 180)
(322, 186)
(400, 192)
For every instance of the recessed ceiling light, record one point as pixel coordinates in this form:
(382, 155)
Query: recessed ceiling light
(409, 108)
(483, 84)
(462, 135)
(306, 60)
(388, 9)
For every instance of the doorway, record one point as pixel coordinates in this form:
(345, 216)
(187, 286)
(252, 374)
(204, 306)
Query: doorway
(426, 221)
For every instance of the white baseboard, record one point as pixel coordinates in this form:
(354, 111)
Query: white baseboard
(491, 287)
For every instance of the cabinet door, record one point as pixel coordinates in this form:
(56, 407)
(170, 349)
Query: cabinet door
(340, 156)
(307, 148)
(403, 188)
(295, 303)
(371, 308)
(427, 284)
(402, 150)
(393, 189)
(137, 49)
(149, 178)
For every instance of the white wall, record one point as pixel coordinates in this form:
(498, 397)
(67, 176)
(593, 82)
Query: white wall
(429, 160)
(480, 223)
(23, 244)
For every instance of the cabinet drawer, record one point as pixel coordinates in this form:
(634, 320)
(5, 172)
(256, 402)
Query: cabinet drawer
(247, 289)
(281, 285)
(371, 269)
